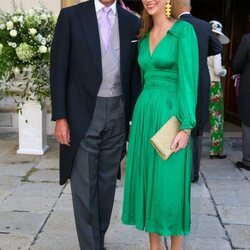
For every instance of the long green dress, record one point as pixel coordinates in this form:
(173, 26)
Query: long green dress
(157, 192)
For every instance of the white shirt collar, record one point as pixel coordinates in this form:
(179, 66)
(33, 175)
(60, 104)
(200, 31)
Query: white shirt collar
(183, 13)
(99, 6)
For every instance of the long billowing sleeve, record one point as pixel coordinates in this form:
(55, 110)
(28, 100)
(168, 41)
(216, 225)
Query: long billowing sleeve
(188, 67)
(216, 70)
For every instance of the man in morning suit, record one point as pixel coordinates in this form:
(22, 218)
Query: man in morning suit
(241, 65)
(95, 81)
(208, 45)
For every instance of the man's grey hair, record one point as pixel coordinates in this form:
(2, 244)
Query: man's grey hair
(181, 2)
(179, 6)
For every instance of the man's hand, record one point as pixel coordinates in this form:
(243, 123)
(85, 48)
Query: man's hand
(62, 132)
(180, 141)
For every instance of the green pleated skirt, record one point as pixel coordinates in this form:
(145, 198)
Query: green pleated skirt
(157, 192)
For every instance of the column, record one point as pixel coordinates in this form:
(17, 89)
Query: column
(66, 3)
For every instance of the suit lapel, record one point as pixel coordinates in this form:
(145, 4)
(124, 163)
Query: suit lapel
(124, 38)
(87, 14)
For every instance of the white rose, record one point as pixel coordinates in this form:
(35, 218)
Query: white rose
(1, 48)
(39, 37)
(43, 42)
(10, 25)
(43, 49)
(2, 26)
(13, 33)
(15, 19)
(32, 31)
(14, 45)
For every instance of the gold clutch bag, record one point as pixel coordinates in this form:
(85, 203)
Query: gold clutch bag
(164, 137)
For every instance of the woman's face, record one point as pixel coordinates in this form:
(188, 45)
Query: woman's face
(154, 7)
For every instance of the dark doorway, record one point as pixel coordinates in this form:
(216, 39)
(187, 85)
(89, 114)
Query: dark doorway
(237, 23)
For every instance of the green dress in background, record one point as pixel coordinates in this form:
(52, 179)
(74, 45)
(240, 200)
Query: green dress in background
(216, 118)
(157, 192)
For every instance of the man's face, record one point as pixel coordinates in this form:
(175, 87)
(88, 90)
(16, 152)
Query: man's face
(107, 2)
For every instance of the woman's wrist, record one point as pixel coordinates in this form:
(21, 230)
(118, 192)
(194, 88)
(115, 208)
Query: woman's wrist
(186, 131)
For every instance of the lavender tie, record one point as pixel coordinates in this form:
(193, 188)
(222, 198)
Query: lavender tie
(105, 27)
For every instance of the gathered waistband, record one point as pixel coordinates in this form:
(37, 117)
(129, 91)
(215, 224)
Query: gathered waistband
(162, 84)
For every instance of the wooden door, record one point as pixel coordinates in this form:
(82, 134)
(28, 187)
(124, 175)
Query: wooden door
(134, 5)
(237, 20)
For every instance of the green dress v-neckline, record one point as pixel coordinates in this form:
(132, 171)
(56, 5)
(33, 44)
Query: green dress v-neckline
(151, 53)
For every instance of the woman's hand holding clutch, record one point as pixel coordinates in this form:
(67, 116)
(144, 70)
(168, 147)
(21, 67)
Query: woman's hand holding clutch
(181, 140)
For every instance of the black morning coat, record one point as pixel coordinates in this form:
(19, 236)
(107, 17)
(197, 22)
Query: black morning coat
(241, 65)
(76, 71)
(208, 45)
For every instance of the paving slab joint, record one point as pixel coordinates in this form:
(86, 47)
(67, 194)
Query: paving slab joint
(46, 219)
(217, 213)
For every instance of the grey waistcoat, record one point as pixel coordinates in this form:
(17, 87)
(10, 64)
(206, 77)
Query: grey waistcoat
(111, 75)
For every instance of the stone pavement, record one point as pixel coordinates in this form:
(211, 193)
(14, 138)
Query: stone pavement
(36, 213)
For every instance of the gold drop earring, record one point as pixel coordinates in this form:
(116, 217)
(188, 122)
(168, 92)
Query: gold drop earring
(168, 9)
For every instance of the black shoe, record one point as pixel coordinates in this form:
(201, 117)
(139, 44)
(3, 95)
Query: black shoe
(218, 156)
(240, 164)
(195, 179)
(102, 235)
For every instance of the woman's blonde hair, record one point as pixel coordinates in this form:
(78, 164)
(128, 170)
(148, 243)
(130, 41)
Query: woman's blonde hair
(147, 24)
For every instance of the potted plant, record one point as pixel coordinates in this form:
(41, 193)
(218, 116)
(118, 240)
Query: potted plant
(25, 41)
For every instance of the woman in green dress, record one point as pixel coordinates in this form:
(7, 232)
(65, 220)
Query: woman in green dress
(157, 192)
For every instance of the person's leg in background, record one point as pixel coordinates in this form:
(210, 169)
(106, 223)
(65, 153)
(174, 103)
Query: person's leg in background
(216, 121)
(197, 147)
(245, 163)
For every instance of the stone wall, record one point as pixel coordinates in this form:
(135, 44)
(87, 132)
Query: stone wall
(54, 5)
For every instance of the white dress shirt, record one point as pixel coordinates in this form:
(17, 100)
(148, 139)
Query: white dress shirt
(98, 8)
(183, 13)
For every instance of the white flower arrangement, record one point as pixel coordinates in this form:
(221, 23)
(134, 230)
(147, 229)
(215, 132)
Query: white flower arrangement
(13, 33)
(25, 40)
(9, 25)
(1, 48)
